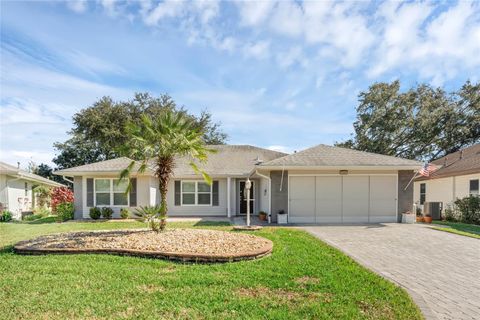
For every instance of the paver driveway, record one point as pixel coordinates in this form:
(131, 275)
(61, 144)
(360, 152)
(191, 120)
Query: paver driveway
(440, 270)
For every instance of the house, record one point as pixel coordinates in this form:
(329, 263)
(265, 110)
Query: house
(457, 177)
(322, 184)
(16, 189)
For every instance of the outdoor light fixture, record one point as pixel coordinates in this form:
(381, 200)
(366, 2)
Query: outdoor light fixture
(343, 172)
(248, 185)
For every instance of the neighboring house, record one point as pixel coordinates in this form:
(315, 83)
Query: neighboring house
(16, 186)
(322, 184)
(458, 176)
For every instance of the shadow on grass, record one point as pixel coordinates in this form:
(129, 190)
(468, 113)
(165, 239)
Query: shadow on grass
(42, 220)
(6, 249)
(207, 223)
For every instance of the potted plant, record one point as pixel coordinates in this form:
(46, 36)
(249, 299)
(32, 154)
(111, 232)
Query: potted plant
(419, 215)
(262, 215)
(282, 217)
(427, 218)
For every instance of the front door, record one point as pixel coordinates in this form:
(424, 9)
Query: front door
(243, 198)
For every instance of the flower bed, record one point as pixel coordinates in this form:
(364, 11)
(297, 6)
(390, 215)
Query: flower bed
(196, 245)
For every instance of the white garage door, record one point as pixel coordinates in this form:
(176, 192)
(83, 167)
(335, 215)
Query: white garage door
(347, 199)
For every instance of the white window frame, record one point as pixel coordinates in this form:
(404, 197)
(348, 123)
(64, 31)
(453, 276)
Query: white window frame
(111, 192)
(196, 193)
(470, 190)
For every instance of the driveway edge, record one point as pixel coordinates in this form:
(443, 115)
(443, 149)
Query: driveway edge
(417, 298)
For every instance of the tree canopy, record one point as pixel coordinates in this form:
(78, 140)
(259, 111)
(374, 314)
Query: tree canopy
(99, 131)
(422, 123)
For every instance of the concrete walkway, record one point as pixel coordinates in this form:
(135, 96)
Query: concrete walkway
(440, 270)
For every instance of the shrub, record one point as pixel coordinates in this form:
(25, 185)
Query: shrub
(469, 209)
(150, 215)
(43, 194)
(5, 216)
(65, 211)
(33, 217)
(124, 213)
(107, 212)
(451, 214)
(42, 212)
(95, 213)
(60, 195)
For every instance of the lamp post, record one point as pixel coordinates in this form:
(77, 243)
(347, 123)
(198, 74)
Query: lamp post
(248, 185)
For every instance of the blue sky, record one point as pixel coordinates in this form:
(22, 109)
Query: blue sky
(282, 75)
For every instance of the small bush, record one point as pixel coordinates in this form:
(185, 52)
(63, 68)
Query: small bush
(5, 216)
(469, 209)
(107, 212)
(60, 195)
(33, 217)
(65, 211)
(124, 213)
(95, 213)
(42, 212)
(450, 214)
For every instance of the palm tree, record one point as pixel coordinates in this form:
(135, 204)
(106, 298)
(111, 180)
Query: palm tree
(156, 142)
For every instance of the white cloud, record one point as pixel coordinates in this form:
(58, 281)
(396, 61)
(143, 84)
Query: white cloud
(287, 19)
(259, 50)
(292, 56)
(252, 13)
(165, 9)
(79, 6)
(279, 148)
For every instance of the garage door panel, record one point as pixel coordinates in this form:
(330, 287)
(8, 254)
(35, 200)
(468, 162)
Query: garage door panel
(302, 200)
(328, 200)
(355, 199)
(383, 198)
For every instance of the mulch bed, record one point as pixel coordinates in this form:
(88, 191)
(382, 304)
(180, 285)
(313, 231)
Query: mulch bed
(196, 245)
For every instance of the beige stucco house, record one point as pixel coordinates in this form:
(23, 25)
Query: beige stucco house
(322, 184)
(16, 189)
(458, 176)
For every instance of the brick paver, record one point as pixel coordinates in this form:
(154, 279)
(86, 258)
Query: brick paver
(440, 270)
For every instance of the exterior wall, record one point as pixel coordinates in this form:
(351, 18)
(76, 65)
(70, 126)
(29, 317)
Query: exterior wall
(14, 197)
(263, 195)
(78, 197)
(445, 190)
(207, 210)
(3, 191)
(279, 197)
(405, 197)
(143, 196)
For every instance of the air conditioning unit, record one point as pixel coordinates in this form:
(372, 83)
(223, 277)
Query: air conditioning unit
(434, 209)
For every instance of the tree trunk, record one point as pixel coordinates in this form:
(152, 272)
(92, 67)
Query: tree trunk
(164, 172)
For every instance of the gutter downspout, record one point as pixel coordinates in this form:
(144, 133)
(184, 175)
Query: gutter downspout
(68, 180)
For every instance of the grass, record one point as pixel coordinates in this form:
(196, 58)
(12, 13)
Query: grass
(303, 279)
(464, 229)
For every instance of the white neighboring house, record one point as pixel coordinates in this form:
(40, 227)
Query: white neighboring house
(457, 177)
(16, 185)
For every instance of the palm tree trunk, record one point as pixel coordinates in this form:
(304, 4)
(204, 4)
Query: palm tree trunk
(164, 172)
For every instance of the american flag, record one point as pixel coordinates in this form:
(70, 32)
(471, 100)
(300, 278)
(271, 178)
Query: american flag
(427, 169)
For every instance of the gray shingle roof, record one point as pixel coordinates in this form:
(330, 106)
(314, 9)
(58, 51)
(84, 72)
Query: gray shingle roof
(113, 165)
(466, 161)
(228, 160)
(323, 155)
(6, 168)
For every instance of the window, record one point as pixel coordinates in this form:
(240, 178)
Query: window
(474, 187)
(26, 189)
(196, 193)
(423, 191)
(111, 192)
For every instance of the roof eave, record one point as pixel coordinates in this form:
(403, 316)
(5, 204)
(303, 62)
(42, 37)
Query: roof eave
(365, 167)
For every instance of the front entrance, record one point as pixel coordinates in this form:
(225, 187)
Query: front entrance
(243, 198)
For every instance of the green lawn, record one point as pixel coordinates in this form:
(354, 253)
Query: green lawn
(464, 229)
(303, 279)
